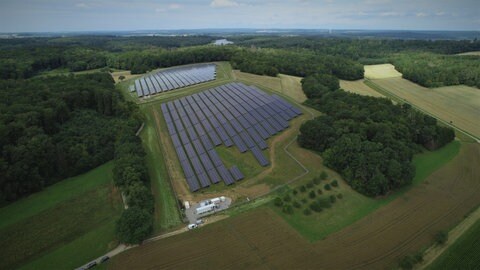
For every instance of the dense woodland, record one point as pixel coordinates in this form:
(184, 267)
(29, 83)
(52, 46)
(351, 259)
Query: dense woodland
(368, 140)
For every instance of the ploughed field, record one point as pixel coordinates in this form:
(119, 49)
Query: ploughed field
(260, 239)
(458, 105)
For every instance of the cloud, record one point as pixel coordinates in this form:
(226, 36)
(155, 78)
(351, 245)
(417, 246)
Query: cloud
(81, 5)
(390, 14)
(173, 6)
(223, 3)
(440, 13)
(421, 14)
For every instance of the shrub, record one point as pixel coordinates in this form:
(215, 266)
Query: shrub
(296, 204)
(334, 183)
(407, 262)
(287, 198)
(287, 209)
(323, 175)
(304, 201)
(307, 212)
(294, 192)
(319, 191)
(312, 194)
(441, 238)
(303, 189)
(340, 196)
(121, 77)
(327, 187)
(315, 206)
(316, 180)
(310, 185)
(278, 202)
(134, 225)
(324, 203)
(333, 199)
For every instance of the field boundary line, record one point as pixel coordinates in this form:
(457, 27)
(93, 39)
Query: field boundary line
(384, 91)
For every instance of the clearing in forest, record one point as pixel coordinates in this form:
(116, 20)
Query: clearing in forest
(381, 71)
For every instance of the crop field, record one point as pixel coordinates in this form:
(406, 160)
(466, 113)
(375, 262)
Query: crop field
(259, 239)
(463, 253)
(359, 87)
(456, 105)
(470, 53)
(57, 226)
(381, 71)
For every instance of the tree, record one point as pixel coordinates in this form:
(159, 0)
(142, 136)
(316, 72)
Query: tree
(134, 226)
(138, 195)
(121, 77)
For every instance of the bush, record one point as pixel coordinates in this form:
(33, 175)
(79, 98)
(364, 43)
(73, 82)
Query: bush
(409, 261)
(340, 196)
(324, 203)
(296, 204)
(295, 192)
(319, 191)
(315, 206)
(287, 198)
(287, 209)
(278, 202)
(303, 189)
(327, 187)
(134, 225)
(304, 201)
(316, 180)
(441, 238)
(310, 185)
(323, 175)
(334, 183)
(307, 212)
(312, 194)
(333, 199)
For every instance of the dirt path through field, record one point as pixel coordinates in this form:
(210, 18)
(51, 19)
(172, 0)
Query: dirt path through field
(435, 251)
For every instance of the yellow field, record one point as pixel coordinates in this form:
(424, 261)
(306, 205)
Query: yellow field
(125, 73)
(381, 71)
(359, 87)
(457, 105)
(292, 87)
(266, 81)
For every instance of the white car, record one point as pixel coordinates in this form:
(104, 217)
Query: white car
(192, 226)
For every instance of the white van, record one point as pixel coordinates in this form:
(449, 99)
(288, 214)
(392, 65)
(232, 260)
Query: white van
(192, 226)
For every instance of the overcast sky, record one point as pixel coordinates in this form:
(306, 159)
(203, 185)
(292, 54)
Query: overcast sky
(88, 15)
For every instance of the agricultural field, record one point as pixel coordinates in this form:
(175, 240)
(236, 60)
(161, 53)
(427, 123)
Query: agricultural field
(381, 71)
(66, 224)
(456, 105)
(470, 53)
(359, 87)
(463, 253)
(261, 239)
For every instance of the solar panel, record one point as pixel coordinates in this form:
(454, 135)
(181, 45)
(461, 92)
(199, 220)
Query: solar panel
(214, 176)
(236, 173)
(182, 156)
(198, 147)
(193, 183)
(239, 144)
(215, 158)
(225, 174)
(257, 153)
(190, 151)
(204, 181)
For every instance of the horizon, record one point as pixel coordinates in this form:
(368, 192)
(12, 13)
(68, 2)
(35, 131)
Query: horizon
(34, 16)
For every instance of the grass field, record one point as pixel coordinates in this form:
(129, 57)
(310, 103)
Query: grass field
(463, 254)
(65, 225)
(470, 53)
(353, 206)
(456, 105)
(167, 215)
(381, 71)
(260, 239)
(359, 87)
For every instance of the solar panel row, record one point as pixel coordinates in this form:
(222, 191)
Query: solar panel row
(232, 114)
(170, 79)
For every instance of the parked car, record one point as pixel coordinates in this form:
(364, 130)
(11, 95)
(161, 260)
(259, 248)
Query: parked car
(104, 259)
(192, 226)
(91, 265)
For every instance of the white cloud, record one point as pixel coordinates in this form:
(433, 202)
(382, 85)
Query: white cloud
(421, 14)
(390, 14)
(172, 6)
(81, 5)
(223, 3)
(440, 13)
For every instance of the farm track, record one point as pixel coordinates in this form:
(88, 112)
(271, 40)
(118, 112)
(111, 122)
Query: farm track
(262, 240)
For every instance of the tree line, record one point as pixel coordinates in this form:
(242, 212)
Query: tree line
(369, 141)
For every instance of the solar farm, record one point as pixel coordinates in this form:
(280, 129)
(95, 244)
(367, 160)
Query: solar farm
(233, 115)
(174, 78)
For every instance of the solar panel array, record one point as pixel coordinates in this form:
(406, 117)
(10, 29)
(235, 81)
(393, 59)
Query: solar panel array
(174, 78)
(233, 115)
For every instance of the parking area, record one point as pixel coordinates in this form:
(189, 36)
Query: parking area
(193, 216)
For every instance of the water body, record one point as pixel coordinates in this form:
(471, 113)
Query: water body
(222, 42)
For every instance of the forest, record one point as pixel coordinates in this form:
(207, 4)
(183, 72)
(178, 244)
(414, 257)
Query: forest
(368, 140)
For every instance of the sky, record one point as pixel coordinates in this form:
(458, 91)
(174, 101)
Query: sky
(118, 15)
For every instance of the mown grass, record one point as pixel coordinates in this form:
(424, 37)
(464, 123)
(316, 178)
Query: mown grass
(54, 219)
(167, 215)
(354, 206)
(463, 253)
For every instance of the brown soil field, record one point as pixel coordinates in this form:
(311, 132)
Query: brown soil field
(260, 239)
(458, 105)
(359, 87)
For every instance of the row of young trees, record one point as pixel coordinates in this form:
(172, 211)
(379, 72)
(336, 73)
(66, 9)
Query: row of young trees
(368, 140)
